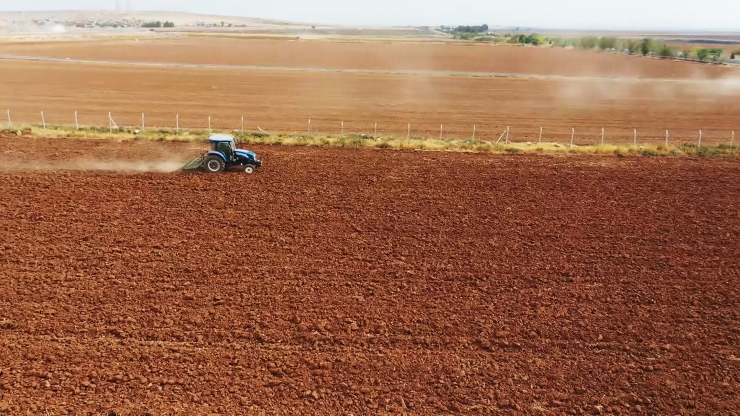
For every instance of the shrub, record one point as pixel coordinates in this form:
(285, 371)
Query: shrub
(356, 142)
(651, 153)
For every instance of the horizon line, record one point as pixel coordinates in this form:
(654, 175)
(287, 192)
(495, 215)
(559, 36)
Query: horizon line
(521, 28)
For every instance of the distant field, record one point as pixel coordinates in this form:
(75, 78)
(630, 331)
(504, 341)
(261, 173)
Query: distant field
(284, 101)
(372, 55)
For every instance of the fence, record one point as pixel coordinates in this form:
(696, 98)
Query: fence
(496, 133)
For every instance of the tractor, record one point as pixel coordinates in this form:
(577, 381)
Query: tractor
(224, 155)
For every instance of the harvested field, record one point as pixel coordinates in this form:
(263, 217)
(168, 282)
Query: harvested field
(283, 101)
(360, 281)
(374, 55)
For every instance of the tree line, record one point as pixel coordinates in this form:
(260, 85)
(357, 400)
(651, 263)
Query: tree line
(472, 29)
(645, 47)
(158, 24)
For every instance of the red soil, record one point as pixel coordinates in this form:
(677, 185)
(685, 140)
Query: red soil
(283, 101)
(376, 55)
(359, 281)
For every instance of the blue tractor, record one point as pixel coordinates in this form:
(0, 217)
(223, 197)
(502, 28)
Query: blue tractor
(224, 155)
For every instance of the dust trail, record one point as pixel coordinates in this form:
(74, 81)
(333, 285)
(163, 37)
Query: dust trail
(125, 166)
(636, 77)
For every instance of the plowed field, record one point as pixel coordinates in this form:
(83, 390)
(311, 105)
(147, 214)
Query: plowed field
(284, 101)
(372, 55)
(361, 281)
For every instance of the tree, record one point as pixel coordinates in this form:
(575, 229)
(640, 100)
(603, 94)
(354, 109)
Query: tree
(732, 55)
(484, 28)
(588, 42)
(606, 43)
(646, 46)
(632, 46)
(702, 54)
(686, 53)
(716, 53)
(666, 52)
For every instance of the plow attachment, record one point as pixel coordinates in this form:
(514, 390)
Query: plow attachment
(193, 163)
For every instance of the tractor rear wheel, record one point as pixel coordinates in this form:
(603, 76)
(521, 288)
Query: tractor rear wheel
(214, 164)
(249, 168)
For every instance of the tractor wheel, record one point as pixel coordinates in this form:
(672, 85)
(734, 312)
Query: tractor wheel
(249, 168)
(214, 164)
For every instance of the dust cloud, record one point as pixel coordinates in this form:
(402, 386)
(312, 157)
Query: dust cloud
(593, 91)
(123, 166)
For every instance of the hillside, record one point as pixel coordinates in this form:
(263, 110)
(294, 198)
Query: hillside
(77, 21)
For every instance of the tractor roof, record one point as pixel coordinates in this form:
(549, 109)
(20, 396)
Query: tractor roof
(221, 138)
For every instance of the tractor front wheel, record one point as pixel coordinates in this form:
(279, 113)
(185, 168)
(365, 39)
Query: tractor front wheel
(214, 164)
(249, 168)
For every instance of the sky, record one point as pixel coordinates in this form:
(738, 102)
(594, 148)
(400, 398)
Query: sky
(717, 15)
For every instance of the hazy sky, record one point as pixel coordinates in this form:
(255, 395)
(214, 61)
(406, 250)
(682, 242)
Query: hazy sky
(577, 14)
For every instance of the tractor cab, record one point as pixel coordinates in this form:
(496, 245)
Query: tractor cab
(223, 144)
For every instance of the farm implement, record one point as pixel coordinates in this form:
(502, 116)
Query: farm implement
(222, 156)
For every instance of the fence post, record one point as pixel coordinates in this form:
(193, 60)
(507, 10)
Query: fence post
(572, 135)
(110, 123)
(242, 125)
(10, 123)
(408, 132)
(209, 124)
(177, 124)
(539, 139)
(634, 140)
(666, 138)
(43, 122)
(440, 131)
(142, 123)
(375, 132)
(699, 139)
(602, 136)
(732, 140)
(507, 134)
(342, 134)
(473, 131)
(309, 126)
(77, 124)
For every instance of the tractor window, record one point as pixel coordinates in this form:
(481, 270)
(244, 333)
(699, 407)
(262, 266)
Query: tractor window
(225, 148)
